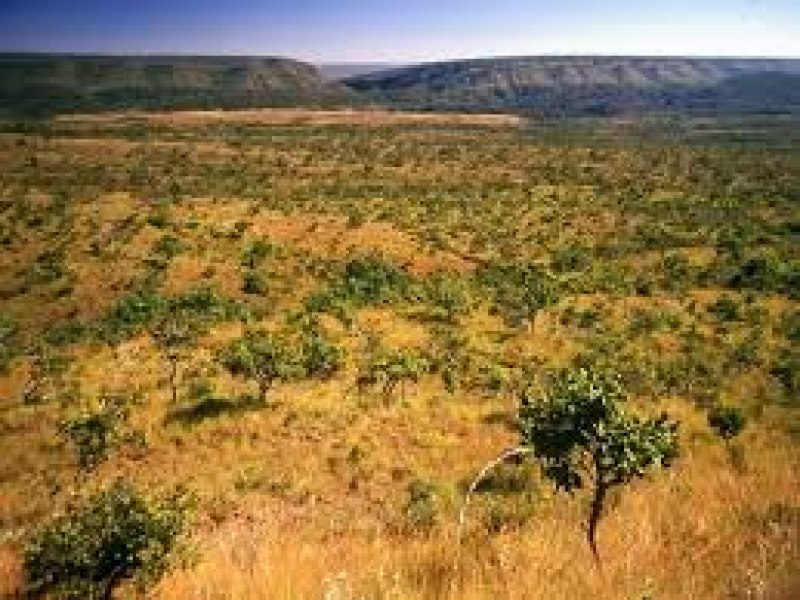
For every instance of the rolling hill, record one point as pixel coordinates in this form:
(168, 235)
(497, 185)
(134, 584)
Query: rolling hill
(590, 85)
(43, 83)
(32, 84)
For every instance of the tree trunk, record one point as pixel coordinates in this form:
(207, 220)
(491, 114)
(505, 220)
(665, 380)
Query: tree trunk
(263, 388)
(113, 581)
(173, 379)
(598, 500)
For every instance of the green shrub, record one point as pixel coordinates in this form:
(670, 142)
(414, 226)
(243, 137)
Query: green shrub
(94, 433)
(364, 282)
(727, 421)
(725, 309)
(449, 295)
(569, 259)
(167, 247)
(258, 252)
(72, 332)
(136, 312)
(320, 357)
(118, 534)
(519, 291)
(254, 283)
(49, 267)
(130, 315)
(423, 505)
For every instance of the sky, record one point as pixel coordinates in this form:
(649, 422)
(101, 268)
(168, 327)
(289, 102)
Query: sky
(403, 31)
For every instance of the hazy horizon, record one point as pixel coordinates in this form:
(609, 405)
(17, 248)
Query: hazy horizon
(395, 32)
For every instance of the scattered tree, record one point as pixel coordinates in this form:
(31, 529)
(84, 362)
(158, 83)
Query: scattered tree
(390, 369)
(117, 535)
(263, 357)
(173, 334)
(95, 432)
(582, 436)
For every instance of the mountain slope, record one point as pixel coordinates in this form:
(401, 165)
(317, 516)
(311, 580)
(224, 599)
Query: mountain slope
(588, 85)
(46, 83)
(337, 71)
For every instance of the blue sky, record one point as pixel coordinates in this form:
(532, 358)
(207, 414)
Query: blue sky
(404, 30)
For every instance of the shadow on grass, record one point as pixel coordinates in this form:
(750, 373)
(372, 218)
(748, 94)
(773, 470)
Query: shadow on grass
(211, 408)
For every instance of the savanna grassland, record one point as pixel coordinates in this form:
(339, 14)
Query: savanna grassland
(408, 278)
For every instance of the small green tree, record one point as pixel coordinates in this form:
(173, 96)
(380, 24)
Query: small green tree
(117, 535)
(582, 436)
(390, 369)
(320, 357)
(449, 296)
(95, 432)
(173, 334)
(520, 291)
(262, 356)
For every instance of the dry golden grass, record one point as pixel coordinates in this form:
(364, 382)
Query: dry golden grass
(292, 116)
(702, 531)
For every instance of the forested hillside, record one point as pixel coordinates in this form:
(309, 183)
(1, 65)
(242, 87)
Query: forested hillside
(590, 85)
(42, 83)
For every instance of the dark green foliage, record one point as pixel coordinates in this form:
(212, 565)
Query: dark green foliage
(677, 271)
(519, 291)
(254, 283)
(725, 309)
(764, 271)
(257, 253)
(582, 436)
(790, 325)
(727, 421)
(160, 218)
(116, 535)
(570, 258)
(96, 432)
(131, 314)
